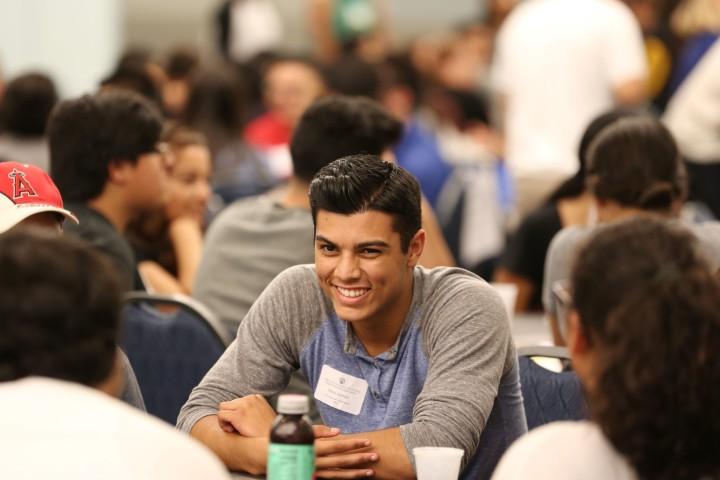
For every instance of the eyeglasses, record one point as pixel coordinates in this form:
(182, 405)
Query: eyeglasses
(562, 298)
(164, 150)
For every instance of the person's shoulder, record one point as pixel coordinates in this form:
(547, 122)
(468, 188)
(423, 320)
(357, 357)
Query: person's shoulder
(459, 290)
(568, 238)
(585, 454)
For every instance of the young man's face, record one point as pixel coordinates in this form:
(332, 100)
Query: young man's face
(362, 268)
(148, 179)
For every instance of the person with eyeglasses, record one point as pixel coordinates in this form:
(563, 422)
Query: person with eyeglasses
(643, 336)
(107, 162)
(634, 169)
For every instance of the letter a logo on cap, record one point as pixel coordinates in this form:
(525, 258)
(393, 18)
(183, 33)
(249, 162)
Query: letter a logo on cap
(21, 186)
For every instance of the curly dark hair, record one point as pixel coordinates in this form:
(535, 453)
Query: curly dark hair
(650, 307)
(59, 308)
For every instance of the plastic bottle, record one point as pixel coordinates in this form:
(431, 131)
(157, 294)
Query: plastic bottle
(291, 455)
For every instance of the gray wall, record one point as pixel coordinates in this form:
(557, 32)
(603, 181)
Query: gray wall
(160, 24)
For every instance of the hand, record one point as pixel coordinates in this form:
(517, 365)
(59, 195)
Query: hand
(338, 457)
(250, 416)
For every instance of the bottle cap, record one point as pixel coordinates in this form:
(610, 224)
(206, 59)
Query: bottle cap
(293, 404)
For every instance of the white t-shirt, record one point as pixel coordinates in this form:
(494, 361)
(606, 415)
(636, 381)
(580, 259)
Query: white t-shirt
(60, 430)
(693, 114)
(556, 63)
(564, 451)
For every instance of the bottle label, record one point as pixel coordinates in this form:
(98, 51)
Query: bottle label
(290, 462)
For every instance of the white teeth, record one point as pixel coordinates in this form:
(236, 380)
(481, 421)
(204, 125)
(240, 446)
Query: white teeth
(355, 292)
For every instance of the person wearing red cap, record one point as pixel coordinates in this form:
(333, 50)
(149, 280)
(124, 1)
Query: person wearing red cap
(29, 196)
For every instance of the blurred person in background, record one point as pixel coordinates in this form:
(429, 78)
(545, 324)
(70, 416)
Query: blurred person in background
(246, 28)
(180, 65)
(558, 64)
(523, 261)
(697, 25)
(24, 112)
(109, 165)
(168, 242)
(634, 170)
(290, 85)
(643, 321)
(216, 107)
(400, 91)
(693, 117)
(137, 72)
(349, 27)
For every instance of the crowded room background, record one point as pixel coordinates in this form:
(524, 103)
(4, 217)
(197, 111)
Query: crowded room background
(495, 220)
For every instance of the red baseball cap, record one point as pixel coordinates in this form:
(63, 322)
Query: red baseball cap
(24, 191)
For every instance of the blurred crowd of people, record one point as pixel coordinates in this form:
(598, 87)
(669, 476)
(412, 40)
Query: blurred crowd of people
(542, 116)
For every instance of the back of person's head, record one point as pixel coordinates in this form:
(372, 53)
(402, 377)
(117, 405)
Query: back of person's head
(59, 309)
(398, 72)
(635, 163)
(26, 105)
(89, 133)
(649, 307)
(339, 126)
(216, 105)
(181, 62)
(351, 75)
(361, 183)
(575, 185)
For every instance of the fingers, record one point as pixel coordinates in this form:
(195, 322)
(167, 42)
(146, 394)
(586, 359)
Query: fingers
(347, 461)
(357, 473)
(334, 446)
(225, 422)
(323, 431)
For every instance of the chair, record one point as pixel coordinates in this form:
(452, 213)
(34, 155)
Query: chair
(549, 396)
(172, 341)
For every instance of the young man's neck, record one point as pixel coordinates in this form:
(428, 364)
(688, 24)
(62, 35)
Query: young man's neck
(296, 194)
(111, 209)
(379, 334)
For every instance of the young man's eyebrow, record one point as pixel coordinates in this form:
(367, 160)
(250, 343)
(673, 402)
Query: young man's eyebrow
(372, 243)
(320, 238)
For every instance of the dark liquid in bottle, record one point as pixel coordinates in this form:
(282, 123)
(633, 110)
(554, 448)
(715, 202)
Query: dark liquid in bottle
(292, 430)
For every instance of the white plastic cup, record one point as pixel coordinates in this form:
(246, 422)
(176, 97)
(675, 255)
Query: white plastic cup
(437, 463)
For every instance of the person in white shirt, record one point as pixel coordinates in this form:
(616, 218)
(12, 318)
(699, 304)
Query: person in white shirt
(557, 65)
(59, 371)
(643, 315)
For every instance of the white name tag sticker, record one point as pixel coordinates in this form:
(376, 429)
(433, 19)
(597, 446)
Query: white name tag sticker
(340, 390)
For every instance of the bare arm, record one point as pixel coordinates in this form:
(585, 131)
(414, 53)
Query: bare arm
(436, 252)
(159, 280)
(187, 239)
(320, 21)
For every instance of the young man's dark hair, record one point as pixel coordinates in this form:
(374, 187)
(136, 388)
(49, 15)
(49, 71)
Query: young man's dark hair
(359, 183)
(59, 308)
(89, 133)
(26, 105)
(338, 126)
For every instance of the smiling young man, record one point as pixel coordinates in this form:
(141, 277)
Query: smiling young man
(398, 356)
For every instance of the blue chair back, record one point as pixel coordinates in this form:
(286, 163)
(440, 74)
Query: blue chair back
(170, 351)
(549, 396)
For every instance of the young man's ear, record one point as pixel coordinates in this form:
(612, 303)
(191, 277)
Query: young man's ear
(415, 249)
(120, 172)
(578, 344)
